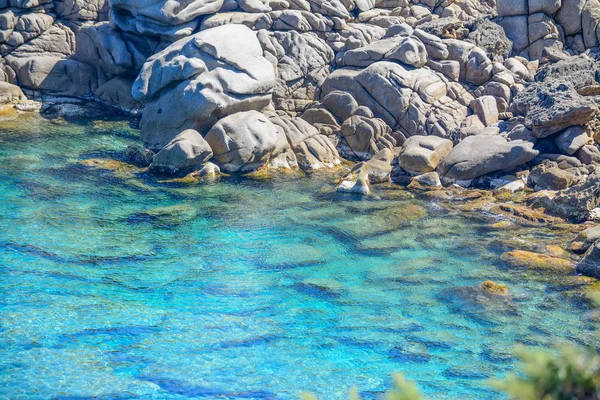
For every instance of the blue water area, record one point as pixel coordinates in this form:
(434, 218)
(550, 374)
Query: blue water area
(114, 285)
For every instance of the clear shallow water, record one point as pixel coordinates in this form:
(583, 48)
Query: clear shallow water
(116, 287)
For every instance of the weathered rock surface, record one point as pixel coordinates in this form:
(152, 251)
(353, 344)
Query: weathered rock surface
(248, 140)
(312, 149)
(357, 182)
(366, 136)
(548, 176)
(415, 100)
(576, 202)
(550, 107)
(187, 150)
(422, 154)
(197, 80)
(302, 62)
(590, 264)
(10, 93)
(308, 83)
(170, 20)
(479, 155)
(572, 139)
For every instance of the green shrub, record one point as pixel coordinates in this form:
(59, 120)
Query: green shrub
(572, 374)
(401, 390)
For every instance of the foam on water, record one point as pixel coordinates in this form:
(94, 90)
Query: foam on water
(120, 287)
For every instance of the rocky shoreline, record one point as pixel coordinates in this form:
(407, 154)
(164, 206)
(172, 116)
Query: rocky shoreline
(443, 97)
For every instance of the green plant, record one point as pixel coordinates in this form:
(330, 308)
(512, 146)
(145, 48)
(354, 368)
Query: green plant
(572, 374)
(401, 390)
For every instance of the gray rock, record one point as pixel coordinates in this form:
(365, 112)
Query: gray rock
(590, 264)
(588, 154)
(580, 71)
(248, 140)
(516, 29)
(82, 10)
(55, 75)
(171, 21)
(572, 139)
(209, 171)
(425, 181)
(569, 16)
(302, 62)
(490, 37)
(197, 80)
(366, 136)
(363, 111)
(356, 182)
(486, 109)
(406, 49)
(312, 149)
(507, 183)
(479, 155)
(521, 132)
(117, 93)
(517, 68)
(380, 166)
(508, 8)
(113, 51)
(341, 104)
(576, 202)
(187, 150)
(551, 107)
(588, 237)
(10, 93)
(563, 162)
(414, 100)
(548, 176)
(422, 154)
(137, 155)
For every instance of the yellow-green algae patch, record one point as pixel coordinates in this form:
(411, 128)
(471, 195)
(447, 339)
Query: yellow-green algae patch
(537, 261)
(495, 288)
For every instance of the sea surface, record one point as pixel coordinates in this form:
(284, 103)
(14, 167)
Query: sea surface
(115, 285)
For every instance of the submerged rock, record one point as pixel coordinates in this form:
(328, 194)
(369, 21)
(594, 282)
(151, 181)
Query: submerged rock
(138, 155)
(168, 215)
(537, 261)
(495, 288)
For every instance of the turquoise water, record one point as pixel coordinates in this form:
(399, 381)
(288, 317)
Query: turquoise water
(115, 286)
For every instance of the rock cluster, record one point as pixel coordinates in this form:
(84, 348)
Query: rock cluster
(500, 94)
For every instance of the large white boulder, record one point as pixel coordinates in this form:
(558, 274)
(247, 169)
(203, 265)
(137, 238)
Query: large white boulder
(478, 155)
(186, 151)
(423, 153)
(248, 140)
(198, 80)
